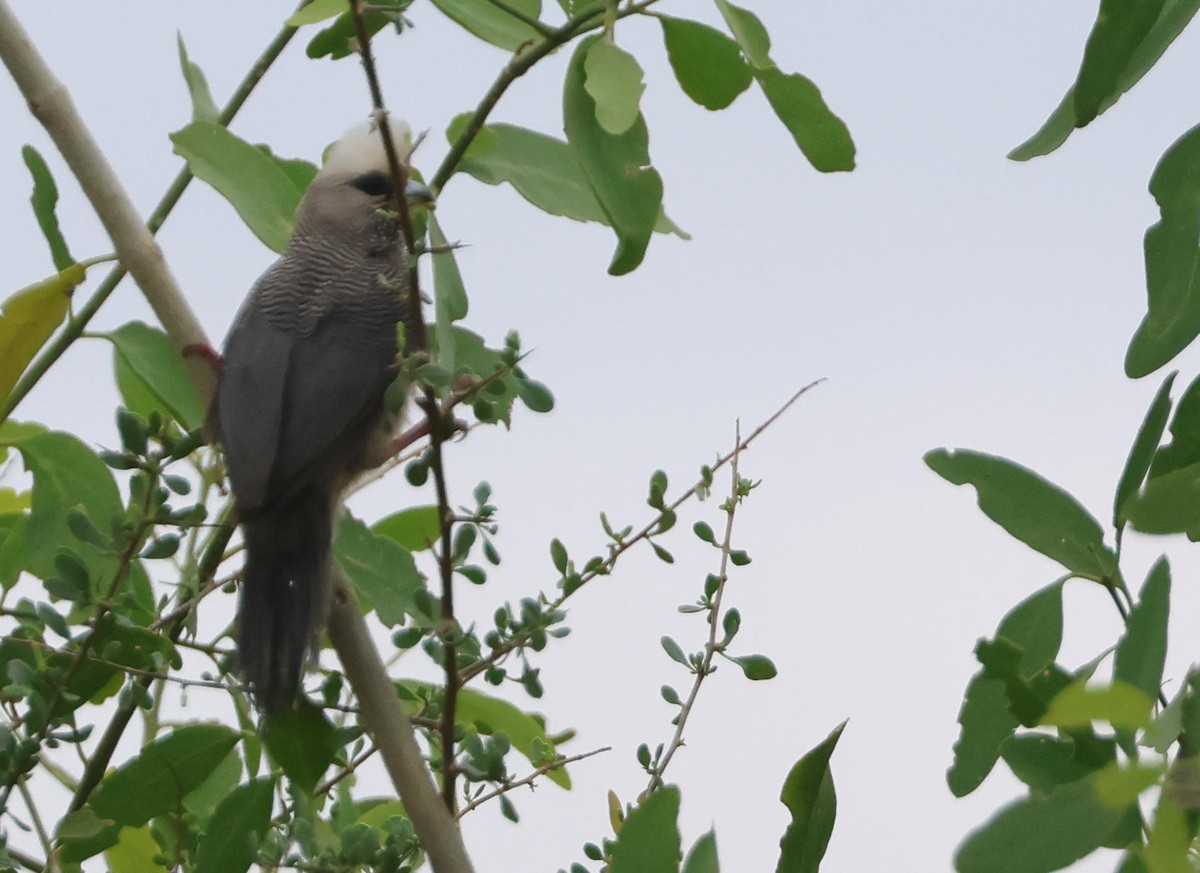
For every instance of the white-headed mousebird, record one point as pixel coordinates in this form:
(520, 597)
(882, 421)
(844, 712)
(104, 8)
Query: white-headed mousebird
(300, 406)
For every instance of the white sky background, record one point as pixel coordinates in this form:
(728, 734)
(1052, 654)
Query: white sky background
(951, 297)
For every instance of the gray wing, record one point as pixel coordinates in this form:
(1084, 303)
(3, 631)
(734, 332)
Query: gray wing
(295, 406)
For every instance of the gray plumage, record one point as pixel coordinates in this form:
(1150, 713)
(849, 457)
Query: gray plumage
(300, 407)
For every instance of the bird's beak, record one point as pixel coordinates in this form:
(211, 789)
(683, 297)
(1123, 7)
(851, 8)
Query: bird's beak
(418, 195)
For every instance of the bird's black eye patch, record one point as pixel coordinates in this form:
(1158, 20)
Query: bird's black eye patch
(373, 184)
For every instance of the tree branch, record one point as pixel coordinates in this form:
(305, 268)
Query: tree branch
(556, 764)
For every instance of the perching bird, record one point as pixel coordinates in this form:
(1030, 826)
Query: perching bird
(300, 406)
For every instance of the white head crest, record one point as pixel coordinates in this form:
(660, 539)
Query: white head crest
(360, 148)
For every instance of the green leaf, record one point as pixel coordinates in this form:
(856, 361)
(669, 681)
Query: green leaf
(535, 396)
(382, 572)
(708, 65)
(1044, 762)
(472, 356)
(44, 200)
(1120, 27)
(1035, 627)
(491, 23)
(809, 795)
(316, 10)
(702, 857)
(1142, 650)
(155, 781)
(203, 107)
(338, 39)
(648, 841)
(756, 667)
(1172, 281)
(29, 318)
(134, 852)
(749, 32)
(1142, 452)
(303, 741)
(1120, 704)
(1170, 23)
(262, 193)
(415, 528)
(491, 715)
(1169, 503)
(821, 135)
(229, 843)
(617, 167)
(67, 477)
(1035, 511)
(450, 297)
(148, 355)
(674, 652)
(1168, 848)
(544, 171)
(615, 81)
(482, 143)
(1041, 833)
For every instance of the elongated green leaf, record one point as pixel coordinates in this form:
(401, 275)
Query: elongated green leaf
(150, 356)
(1168, 848)
(615, 82)
(262, 193)
(708, 65)
(702, 857)
(1175, 16)
(1041, 833)
(1184, 448)
(382, 572)
(1173, 286)
(45, 200)
(450, 297)
(1120, 27)
(491, 715)
(544, 171)
(1035, 627)
(302, 740)
(1120, 704)
(617, 167)
(1142, 452)
(156, 780)
(749, 33)
(493, 24)
(339, 38)
(809, 795)
(1142, 650)
(29, 318)
(317, 10)
(203, 107)
(821, 135)
(649, 838)
(230, 841)
(1035, 511)
(415, 529)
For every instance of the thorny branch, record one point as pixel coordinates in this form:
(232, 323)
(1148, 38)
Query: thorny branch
(556, 764)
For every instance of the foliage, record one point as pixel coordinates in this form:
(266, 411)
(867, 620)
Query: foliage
(1108, 762)
(109, 556)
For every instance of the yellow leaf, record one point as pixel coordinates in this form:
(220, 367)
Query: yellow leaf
(28, 319)
(615, 816)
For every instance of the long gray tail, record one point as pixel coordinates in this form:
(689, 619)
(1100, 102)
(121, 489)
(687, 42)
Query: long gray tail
(284, 596)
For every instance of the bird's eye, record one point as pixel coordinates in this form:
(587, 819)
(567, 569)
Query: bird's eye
(373, 184)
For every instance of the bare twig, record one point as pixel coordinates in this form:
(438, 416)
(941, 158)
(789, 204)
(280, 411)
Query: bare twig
(556, 764)
(616, 550)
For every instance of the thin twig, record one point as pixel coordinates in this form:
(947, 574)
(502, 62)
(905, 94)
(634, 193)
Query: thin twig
(556, 764)
(714, 621)
(616, 550)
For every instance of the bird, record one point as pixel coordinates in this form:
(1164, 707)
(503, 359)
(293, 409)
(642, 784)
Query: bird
(300, 406)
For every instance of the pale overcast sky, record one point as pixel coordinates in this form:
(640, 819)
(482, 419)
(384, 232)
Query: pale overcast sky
(949, 296)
